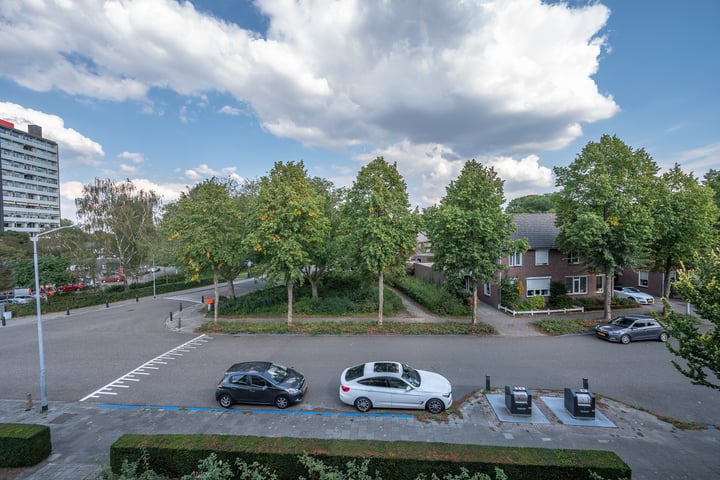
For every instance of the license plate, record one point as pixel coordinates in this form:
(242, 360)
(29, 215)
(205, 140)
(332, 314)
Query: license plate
(602, 334)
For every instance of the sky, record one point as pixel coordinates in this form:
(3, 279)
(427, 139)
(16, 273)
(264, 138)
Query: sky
(168, 93)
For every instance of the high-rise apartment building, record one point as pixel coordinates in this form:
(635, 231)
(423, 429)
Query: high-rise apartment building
(29, 180)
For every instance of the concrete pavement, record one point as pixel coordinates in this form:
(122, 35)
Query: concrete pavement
(83, 432)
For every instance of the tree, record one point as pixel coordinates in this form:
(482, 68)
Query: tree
(469, 231)
(203, 226)
(532, 204)
(699, 286)
(604, 208)
(121, 216)
(291, 224)
(13, 246)
(380, 228)
(684, 219)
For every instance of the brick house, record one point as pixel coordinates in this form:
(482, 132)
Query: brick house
(542, 264)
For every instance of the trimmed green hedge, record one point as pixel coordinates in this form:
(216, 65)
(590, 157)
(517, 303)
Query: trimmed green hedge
(23, 444)
(177, 455)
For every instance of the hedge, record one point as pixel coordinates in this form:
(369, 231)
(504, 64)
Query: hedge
(23, 444)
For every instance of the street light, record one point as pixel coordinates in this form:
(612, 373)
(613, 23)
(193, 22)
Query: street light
(43, 386)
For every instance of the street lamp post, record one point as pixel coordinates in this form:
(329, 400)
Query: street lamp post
(43, 386)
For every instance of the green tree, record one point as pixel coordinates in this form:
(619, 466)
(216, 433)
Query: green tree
(684, 219)
(13, 246)
(532, 204)
(604, 208)
(121, 217)
(203, 228)
(700, 350)
(291, 225)
(469, 231)
(380, 228)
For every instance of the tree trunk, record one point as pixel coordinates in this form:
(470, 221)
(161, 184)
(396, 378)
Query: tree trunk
(313, 286)
(217, 296)
(610, 281)
(290, 301)
(475, 304)
(231, 288)
(666, 284)
(380, 297)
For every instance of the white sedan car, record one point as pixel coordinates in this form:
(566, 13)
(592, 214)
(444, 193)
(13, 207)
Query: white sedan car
(632, 292)
(394, 385)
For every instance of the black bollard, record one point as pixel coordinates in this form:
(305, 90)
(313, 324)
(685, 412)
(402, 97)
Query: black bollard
(487, 382)
(181, 306)
(585, 383)
(67, 311)
(202, 299)
(137, 299)
(171, 316)
(107, 304)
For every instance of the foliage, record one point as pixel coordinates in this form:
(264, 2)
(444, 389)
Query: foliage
(292, 225)
(531, 204)
(138, 470)
(532, 303)
(469, 231)
(558, 326)
(380, 229)
(558, 296)
(604, 207)
(205, 228)
(439, 300)
(700, 350)
(685, 219)
(509, 293)
(121, 217)
(52, 270)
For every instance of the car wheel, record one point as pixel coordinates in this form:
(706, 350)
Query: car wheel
(281, 402)
(225, 400)
(435, 405)
(363, 404)
(663, 337)
(625, 339)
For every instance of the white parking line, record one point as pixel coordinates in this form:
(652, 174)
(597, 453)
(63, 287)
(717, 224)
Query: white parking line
(118, 382)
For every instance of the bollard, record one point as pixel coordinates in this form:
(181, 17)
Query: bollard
(107, 304)
(2, 315)
(137, 299)
(181, 306)
(28, 403)
(487, 382)
(585, 383)
(67, 311)
(171, 316)
(202, 299)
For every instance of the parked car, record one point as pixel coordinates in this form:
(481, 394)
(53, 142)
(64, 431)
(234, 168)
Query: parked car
(73, 287)
(389, 384)
(22, 299)
(632, 292)
(259, 382)
(629, 328)
(114, 277)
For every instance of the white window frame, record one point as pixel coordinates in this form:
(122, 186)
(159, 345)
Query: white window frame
(573, 258)
(574, 285)
(515, 259)
(542, 256)
(468, 284)
(542, 282)
(599, 283)
(643, 278)
(487, 289)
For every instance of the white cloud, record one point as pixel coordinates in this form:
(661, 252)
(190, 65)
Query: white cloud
(128, 169)
(697, 160)
(228, 110)
(132, 156)
(77, 149)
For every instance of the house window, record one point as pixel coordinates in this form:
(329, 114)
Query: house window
(576, 285)
(487, 289)
(542, 257)
(468, 285)
(599, 284)
(643, 279)
(573, 258)
(537, 287)
(515, 259)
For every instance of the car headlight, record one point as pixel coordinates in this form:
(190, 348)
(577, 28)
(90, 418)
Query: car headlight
(293, 391)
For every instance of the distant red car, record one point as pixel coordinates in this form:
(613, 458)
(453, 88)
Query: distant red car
(75, 287)
(113, 278)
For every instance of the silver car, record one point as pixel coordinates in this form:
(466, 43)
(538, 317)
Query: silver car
(631, 292)
(389, 384)
(629, 328)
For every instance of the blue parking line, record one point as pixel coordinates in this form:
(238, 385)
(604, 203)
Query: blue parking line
(245, 410)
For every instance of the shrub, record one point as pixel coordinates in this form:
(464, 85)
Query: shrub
(532, 303)
(558, 296)
(23, 444)
(438, 300)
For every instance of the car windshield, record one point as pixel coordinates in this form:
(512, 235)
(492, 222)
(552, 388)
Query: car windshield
(622, 322)
(411, 376)
(277, 372)
(632, 289)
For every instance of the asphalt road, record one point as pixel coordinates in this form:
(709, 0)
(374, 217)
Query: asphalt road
(89, 354)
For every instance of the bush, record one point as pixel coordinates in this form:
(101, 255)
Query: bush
(438, 300)
(23, 444)
(532, 303)
(558, 296)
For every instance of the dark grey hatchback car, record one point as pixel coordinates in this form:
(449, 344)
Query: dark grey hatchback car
(262, 383)
(629, 328)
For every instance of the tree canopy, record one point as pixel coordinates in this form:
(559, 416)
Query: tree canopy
(698, 346)
(532, 204)
(380, 228)
(604, 207)
(469, 231)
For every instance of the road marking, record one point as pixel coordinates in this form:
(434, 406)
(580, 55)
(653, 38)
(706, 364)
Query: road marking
(169, 355)
(245, 411)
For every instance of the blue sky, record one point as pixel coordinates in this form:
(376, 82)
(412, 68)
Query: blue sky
(169, 93)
